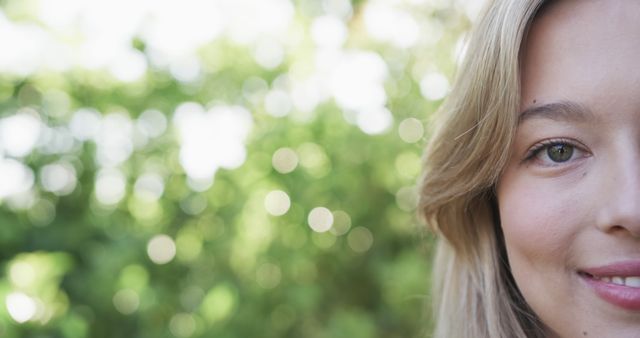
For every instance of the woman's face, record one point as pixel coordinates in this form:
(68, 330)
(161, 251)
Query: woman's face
(570, 196)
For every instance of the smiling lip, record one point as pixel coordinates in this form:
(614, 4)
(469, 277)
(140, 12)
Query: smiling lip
(601, 280)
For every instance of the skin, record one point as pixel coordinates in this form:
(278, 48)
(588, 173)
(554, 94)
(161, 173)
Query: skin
(561, 217)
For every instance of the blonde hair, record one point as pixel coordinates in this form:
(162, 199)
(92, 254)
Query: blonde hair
(474, 292)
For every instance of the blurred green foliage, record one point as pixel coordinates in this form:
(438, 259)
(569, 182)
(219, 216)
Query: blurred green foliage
(74, 266)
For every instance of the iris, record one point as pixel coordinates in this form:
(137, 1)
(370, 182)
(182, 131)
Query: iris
(560, 152)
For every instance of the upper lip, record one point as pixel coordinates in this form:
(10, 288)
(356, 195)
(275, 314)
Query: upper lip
(617, 269)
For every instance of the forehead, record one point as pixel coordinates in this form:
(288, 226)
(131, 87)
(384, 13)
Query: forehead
(585, 51)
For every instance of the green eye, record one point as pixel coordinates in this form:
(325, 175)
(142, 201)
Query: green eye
(560, 152)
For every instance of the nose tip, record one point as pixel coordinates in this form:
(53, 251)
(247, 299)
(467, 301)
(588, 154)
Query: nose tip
(622, 223)
(620, 212)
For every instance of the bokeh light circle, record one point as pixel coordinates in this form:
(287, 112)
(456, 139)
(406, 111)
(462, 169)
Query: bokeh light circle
(161, 249)
(320, 219)
(277, 202)
(284, 160)
(360, 239)
(411, 130)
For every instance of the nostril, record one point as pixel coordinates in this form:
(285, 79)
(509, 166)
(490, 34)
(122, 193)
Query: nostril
(628, 229)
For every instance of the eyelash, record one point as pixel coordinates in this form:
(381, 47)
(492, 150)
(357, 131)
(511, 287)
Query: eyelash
(535, 150)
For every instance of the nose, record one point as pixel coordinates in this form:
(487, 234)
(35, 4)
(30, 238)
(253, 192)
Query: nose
(620, 196)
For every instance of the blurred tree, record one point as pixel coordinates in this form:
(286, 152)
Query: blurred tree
(217, 169)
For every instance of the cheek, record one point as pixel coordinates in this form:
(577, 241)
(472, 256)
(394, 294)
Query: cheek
(539, 221)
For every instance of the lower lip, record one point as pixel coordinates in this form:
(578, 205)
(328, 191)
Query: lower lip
(625, 297)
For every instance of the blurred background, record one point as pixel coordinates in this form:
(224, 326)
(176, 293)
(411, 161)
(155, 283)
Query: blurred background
(218, 168)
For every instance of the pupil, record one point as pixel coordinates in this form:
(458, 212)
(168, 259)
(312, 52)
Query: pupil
(560, 152)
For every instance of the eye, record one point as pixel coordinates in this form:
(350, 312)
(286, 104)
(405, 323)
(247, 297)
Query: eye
(560, 152)
(555, 152)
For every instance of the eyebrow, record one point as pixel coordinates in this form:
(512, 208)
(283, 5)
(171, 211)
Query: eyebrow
(558, 111)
